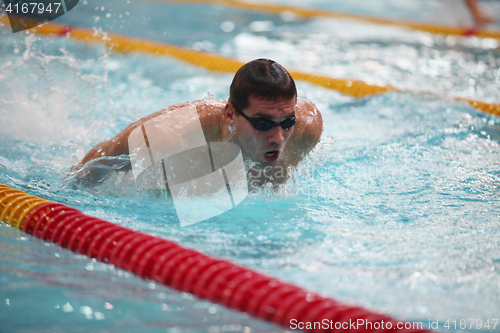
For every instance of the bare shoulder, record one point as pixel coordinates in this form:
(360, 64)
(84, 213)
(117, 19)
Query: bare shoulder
(308, 127)
(208, 111)
(119, 144)
(306, 132)
(211, 112)
(209, 105)
(309, 115)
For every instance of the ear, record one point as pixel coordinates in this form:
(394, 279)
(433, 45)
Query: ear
(229, 113)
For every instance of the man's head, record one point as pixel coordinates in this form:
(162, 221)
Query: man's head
(261, 109)
(263, 79)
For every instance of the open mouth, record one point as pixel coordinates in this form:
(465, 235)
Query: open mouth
(271, 156)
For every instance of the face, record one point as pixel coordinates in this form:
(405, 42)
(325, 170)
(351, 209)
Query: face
(264, 147)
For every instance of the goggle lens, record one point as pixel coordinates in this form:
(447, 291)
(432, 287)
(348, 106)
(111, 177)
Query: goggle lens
(263, 124)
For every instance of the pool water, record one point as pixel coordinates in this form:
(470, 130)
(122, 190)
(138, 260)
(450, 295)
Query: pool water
(396, 210)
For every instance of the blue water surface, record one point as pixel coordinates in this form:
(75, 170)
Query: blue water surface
(396, 210)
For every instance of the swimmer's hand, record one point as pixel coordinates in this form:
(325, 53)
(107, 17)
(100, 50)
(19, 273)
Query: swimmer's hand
(96, 171)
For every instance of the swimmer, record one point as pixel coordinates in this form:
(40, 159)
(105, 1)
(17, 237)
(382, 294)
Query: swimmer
(263, 116)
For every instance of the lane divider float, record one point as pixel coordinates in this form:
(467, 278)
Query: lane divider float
(215, 62)
(311, 13)
(186, 270)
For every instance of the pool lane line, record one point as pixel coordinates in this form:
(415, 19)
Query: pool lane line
(311, 13)
(162, 261)
(215, 62)
(492, 108)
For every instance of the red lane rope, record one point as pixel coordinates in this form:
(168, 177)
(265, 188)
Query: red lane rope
(187, 270)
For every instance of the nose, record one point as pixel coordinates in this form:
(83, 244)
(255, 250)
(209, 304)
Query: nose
(276, 135)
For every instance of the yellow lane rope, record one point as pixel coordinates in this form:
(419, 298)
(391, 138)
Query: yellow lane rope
(16, 205)
(212, 62)
(309, 13)
(216, 62)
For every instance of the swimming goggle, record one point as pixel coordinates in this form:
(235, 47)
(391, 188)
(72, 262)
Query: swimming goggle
(264, 124)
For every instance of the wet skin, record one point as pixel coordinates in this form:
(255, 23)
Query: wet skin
(269, 153)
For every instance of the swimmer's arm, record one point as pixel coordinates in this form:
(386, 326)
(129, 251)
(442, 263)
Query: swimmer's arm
(119, 144)
(114, 147)
(96, 172)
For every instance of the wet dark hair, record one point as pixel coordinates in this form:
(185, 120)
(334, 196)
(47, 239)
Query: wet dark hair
(261, 78)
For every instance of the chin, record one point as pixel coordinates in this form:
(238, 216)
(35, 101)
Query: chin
(264, 164)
